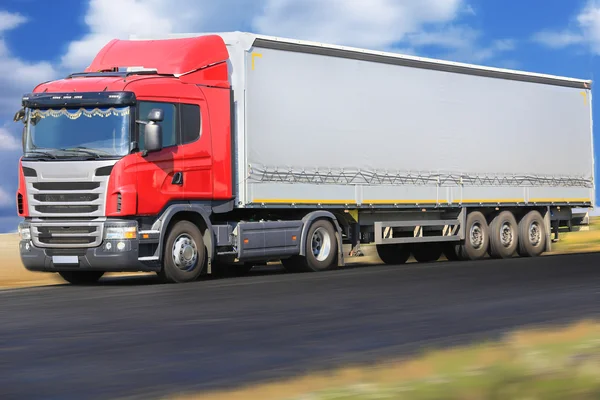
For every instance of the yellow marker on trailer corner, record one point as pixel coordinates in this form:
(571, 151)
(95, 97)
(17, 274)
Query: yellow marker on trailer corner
(254, 55)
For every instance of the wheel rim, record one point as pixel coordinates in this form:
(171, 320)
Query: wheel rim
(321, 244)
(535, 234)
(476, 235)
(506, 234)
(184, 252)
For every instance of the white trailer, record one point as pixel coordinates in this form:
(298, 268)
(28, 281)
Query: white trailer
(419, 155)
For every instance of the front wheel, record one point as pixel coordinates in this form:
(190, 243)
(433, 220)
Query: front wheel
(81, 277)
(184, 254)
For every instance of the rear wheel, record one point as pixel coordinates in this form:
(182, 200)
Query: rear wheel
(184, 254)
(320, 250)
(450, 252)
(393, 254)
(476, 239)
(81, 277)
(532, 235)
(503, 235)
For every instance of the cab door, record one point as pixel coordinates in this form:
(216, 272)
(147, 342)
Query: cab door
(197, 147)
(158, 173)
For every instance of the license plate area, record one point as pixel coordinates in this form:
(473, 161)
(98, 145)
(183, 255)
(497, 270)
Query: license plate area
(65, 260)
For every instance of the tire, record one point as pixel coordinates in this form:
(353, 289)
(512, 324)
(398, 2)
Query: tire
(427, 252)
(532, 235)
(504, 235)
(321, 239)
(477, 238)
(449, 251)
(184, 254)
(81, 277)
(393, 254)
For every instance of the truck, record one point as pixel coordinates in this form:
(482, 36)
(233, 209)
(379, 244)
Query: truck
(186, 155)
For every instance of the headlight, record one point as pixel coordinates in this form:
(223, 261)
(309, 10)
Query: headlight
(120, 233)
(25, 232)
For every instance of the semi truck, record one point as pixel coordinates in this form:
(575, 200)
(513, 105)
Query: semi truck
(185, 154)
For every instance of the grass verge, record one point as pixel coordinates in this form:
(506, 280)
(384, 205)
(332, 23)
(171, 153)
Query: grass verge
(533, 364)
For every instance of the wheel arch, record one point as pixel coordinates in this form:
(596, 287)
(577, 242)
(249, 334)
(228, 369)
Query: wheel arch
(197, 214)
(311, 217)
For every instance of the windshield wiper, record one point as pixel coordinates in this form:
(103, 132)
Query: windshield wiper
(82, 150)
(43, 153)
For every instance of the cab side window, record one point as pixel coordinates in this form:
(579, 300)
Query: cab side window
(190, 123)
(169, 123)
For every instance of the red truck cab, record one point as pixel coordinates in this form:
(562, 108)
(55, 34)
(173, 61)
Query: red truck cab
(108, 152)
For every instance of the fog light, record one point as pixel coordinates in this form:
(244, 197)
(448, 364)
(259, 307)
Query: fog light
(108, 246)
(120, 245)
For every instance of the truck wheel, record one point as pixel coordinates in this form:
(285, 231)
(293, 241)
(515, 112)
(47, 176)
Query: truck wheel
(81, 277)
(450, 252)
(321, 246)
(393, 254)
(320, 251)
(503, 235)
(427, 252)
(477, 237)
(532, 235)
(184, 254)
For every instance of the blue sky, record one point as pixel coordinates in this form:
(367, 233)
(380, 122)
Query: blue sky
(42, 40)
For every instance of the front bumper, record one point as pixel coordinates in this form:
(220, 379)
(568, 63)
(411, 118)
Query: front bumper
(112, 255)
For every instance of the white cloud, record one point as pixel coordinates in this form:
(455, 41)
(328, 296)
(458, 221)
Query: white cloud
(149, 18)
(585, 32)
(9, 21)
(379, 24)
(8, 142)
(17, 76)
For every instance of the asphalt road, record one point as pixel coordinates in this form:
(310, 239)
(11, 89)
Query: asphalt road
(141, 339)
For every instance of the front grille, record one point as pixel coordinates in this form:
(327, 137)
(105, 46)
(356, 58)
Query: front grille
(66, 197)
(66, 234)
(66, 186)
(70, 241)
(60, 230)
(66, 209)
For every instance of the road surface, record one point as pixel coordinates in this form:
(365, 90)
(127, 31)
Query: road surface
(140, 339)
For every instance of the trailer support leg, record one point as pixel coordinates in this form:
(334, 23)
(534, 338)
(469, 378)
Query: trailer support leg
(355, 251)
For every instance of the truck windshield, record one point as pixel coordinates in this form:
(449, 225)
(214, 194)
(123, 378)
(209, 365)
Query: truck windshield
(87, 131)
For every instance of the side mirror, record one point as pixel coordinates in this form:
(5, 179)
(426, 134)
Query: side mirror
(19, 115)
(152, 137)
(156, 115)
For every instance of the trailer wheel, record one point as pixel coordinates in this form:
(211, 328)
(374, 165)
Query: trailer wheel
(427, 252)
(476, 239)
(81, 277)
(504, 235)
(532, 235)
(393, 254)
(184, 254)
(450, 252)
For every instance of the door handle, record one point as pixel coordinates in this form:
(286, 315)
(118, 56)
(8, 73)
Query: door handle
(177, 179)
